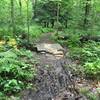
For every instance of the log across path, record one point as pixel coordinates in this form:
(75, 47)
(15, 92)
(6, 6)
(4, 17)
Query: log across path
(54, 80)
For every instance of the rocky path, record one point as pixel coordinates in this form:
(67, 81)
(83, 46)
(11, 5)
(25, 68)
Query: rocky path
(54, 80)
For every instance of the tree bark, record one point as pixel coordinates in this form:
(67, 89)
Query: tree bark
(12, 17)
(34, 3)
(58, 8)
(20, 4)
(86, 38)
(58, 12)
(87, 12)
(28, 25)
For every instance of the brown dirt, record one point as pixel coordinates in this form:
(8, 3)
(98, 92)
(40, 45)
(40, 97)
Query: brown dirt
(54, 81)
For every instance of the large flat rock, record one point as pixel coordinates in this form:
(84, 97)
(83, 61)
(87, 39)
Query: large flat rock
(55, 49)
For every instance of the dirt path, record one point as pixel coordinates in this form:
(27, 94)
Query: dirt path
(46, 38)
(54, 80)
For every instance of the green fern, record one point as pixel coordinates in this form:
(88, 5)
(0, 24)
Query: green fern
(14, 70)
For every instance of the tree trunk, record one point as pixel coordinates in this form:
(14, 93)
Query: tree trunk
(34, 7)
(12, 17)
(58, 12)
(87, 12)
(20, 4)
(58, 8)
(66, 24)
(28, 25)
(52, 21)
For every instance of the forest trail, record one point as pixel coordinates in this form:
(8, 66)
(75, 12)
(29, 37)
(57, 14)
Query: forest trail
(49, 47)
(54, 80)
(46, 38)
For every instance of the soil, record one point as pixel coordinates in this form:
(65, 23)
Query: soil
(54, 80)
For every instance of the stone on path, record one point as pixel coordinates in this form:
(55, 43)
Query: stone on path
(55, 49)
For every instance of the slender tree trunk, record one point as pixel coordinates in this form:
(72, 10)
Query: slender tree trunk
(34, 7)
(20, 4)
(12, 17)
(58, 11)
(28, 24)
(66, 24)
(87, 12)
(58, 8)
(52, 23)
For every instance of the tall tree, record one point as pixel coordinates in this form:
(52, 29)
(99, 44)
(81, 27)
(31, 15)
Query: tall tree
(34, 3)
(87, 12)
(12, 17)
(58, 11)
(28, 24)
(20, 4)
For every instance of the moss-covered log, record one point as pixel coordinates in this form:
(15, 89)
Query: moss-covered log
(90, 38)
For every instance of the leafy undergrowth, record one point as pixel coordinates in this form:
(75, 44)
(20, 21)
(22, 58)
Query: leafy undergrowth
(87, 57)
(86, 54)
(17, 69)
(35, 31)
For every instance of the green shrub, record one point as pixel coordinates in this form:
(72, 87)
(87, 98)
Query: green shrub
(16, 70)
(90, 51)
(92, 69)
(5, 32)
(73, 41)
(89, 57)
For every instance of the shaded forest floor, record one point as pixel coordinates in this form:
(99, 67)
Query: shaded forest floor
(55, 80)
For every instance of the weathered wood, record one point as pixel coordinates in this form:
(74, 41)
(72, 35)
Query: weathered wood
(90, 37)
